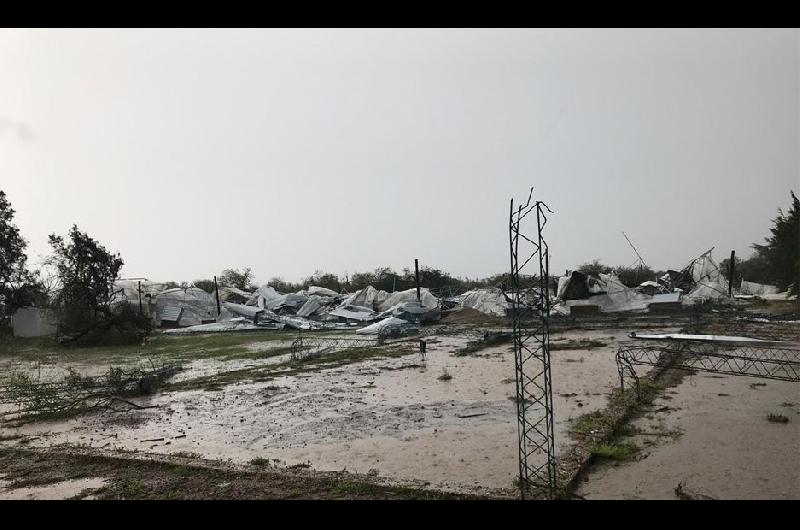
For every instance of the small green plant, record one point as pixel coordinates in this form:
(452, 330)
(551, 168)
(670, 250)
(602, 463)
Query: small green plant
(261, 462)
(620, 452)
(589, 422)
(777, 418)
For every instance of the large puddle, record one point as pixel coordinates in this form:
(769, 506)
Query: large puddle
(390, 416)
(728, 449)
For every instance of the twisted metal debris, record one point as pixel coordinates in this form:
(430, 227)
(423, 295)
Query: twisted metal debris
(766, 360)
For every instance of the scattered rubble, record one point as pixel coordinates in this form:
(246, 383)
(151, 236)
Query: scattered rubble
(369, 309)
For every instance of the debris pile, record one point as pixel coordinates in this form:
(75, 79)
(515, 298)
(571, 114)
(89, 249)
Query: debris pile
(193, 310)
(700, 281)
(373, 311)
(488, 301)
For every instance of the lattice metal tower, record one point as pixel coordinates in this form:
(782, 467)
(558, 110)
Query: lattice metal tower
(530, 299)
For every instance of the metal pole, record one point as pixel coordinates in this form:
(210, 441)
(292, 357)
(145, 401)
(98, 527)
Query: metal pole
(216, 292)
(416, 276)
(731, 270)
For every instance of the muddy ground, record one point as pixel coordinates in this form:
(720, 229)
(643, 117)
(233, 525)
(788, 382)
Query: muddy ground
(390, 417)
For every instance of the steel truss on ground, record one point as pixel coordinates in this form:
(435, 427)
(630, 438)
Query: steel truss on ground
(306, 346)
(766, 360)
(530, 308)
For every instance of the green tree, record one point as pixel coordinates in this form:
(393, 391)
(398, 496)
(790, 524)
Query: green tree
(634, 276)
(753, 269)
(781, 253)
(595, 268)
(87, 271)
(241, 279)
(206, 285)
(282, 286)
(19, 287)
(323, 279)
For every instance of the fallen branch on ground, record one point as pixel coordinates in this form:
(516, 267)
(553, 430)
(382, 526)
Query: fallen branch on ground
(76, 393)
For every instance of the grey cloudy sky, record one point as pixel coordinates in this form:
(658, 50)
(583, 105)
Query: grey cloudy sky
(190, 151)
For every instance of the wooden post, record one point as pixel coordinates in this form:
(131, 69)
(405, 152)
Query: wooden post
(416, 276)
(731, 271)
(140, 296)
(216, 293)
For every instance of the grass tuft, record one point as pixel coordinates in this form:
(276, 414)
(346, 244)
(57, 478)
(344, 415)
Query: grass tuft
(610, 451)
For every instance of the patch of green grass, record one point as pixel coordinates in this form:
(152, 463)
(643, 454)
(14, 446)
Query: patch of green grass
(648, 384)
(777, 418)
(227, 346)
(614, 451)
(587, 423)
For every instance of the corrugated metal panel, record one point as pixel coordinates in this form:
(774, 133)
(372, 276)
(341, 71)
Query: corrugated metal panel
(171, 313)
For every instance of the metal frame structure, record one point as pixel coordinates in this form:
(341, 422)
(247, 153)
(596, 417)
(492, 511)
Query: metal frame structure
(763, 359)
(530, 309)
(304, 346)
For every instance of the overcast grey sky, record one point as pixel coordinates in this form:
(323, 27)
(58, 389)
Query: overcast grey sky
(190, 151)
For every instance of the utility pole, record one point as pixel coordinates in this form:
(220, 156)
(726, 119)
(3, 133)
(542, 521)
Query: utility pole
(416, 276)
(731, 270)
(216, 292)
(641, 261)
(139, 288)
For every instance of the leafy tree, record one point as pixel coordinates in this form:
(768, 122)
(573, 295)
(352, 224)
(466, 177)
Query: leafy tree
(87, 271)
(634, 276)
(18, 286)
(241, 279)
(206, 285)
(323, 279)
(595, 268)
(282, 286)
(752, 269)
(176, 285)
(781, 253)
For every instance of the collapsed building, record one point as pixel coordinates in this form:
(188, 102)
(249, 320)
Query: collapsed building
(369, 310)
(372, 311)
(699, 282)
